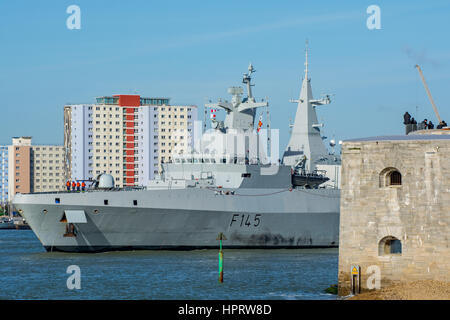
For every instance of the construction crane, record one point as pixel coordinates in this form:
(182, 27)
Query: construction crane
(428, 93)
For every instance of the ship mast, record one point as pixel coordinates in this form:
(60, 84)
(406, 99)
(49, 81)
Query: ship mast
(247, 80)
(305, 137)
(306, 60)
(240, 112)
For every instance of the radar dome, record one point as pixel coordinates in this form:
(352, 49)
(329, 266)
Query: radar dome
(105, 181)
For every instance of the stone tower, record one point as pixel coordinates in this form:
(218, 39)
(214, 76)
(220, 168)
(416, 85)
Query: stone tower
(395, 216)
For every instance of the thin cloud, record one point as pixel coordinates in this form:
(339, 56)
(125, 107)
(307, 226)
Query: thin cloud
(420, 57)
(207, 37)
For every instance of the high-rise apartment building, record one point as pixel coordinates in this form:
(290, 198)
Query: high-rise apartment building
(3, 175)
(127, 136)
(176, 129)
(78, 125)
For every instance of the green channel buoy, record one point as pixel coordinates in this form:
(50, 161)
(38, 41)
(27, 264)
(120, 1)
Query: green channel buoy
(221, 237)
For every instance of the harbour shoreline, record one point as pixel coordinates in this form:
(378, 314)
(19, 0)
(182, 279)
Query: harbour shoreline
(415, 290)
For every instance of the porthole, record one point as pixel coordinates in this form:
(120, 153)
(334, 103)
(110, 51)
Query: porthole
(95, 211)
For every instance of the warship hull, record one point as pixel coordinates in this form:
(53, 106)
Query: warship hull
(184, 219)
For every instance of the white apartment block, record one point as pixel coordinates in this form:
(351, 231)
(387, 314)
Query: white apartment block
(126, 136)
(3, 175)
(78, 139)
(176, 125)
(107, 142)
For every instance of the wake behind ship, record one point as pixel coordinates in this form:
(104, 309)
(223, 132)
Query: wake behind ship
(256, 201)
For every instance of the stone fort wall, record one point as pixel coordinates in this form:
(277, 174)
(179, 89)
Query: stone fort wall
(376, 209)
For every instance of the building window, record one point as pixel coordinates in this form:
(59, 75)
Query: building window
(390, 177)
(395, 178)
(389, 245)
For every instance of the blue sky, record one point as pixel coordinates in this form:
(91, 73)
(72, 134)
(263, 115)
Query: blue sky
(190, 50)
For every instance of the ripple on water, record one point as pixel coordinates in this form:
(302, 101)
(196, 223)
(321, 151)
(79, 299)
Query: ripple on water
(28, 272)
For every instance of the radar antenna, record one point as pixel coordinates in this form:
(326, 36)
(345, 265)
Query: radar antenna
(306, 59)
(247, 80)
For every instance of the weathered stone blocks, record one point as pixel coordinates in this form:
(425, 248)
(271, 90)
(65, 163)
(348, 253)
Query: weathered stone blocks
(415, 212)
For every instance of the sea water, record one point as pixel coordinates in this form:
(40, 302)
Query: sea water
(29, 272)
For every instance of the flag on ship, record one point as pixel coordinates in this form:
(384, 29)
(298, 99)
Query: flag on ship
(213, 116)
(260, 123)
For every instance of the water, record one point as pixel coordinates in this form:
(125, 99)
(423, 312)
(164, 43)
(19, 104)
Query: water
(28, 272)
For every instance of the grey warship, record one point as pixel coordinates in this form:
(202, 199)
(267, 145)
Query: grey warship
(255, 201)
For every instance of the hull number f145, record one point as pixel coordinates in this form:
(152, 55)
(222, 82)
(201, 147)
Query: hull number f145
(245, 220)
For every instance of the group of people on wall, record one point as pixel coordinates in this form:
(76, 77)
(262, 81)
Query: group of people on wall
(425, 124)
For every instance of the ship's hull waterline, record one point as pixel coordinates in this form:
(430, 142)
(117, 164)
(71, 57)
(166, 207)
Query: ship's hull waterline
(185, 219)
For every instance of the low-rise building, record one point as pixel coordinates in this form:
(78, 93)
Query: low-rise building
(47, 168)
(31, 168)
